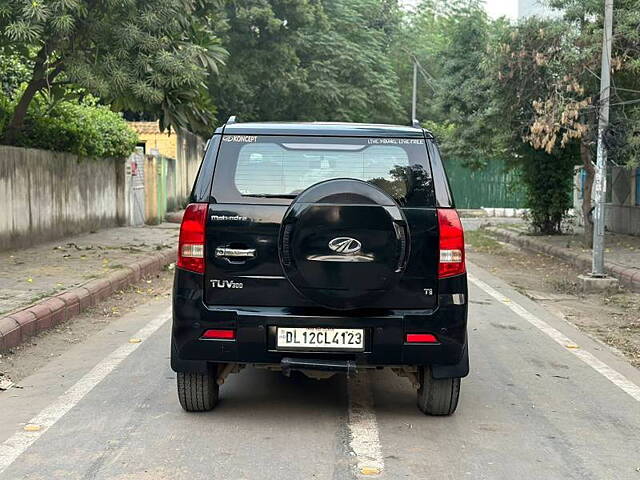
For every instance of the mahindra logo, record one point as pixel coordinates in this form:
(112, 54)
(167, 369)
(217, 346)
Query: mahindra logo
(346, 245)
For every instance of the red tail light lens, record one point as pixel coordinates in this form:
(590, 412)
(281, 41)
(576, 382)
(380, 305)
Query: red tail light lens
(191, 243)
(220, 334)
(451, 244)
(421, 338)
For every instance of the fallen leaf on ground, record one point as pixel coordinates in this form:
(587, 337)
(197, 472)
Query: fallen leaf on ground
(369, 471)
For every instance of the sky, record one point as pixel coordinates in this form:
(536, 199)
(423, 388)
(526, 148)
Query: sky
(495, 8)
(498, 8)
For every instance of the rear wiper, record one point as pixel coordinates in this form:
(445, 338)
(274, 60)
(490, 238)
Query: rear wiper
(271, 195)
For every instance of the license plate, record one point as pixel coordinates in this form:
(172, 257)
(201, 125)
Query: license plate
(321, 338)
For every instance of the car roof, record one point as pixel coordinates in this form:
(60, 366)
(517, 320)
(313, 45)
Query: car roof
(341, 129)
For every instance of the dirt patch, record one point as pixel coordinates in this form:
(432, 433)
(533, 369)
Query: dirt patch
(612, 319)
(22, 361)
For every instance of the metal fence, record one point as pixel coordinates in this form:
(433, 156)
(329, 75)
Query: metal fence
(489, 187)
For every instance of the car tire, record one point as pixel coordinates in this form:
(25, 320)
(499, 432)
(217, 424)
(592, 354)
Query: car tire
(197, 392)
(437, 396)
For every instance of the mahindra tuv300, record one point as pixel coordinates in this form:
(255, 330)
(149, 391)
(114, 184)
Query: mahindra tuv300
(321, 248)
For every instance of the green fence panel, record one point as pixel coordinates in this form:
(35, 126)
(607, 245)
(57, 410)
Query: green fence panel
(493, 186)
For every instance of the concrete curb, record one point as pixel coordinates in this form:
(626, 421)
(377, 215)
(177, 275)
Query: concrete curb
(628, 276)
(18, 326)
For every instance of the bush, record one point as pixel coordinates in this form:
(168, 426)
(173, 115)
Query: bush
(82, 128)
(548, 181)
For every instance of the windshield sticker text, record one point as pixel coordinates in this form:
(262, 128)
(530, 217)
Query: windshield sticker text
(240, 138)
(395, 141)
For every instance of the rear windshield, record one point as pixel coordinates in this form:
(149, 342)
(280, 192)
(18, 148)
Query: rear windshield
(270, 169)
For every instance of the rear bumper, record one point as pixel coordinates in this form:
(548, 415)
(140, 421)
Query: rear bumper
(256, 328)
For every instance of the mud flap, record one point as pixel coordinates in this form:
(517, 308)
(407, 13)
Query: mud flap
(187, 366)
(457, 370)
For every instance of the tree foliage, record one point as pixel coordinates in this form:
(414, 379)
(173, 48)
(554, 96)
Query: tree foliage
(549, 86)
(83, 128)
(527, 92)
(450, 40)
(466, 98)
(132, 54)
(346, 65)
(542, 107)
(300, 60)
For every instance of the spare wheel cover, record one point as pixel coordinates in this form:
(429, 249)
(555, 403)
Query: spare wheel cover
(343, 242)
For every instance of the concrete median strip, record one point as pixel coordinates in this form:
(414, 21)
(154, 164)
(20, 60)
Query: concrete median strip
(19, 326)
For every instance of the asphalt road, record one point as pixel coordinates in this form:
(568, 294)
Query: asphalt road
(542, 402)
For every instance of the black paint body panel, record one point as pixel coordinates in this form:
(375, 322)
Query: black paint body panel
(384, 337)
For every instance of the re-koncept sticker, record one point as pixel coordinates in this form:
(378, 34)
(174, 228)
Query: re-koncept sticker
(240, 138)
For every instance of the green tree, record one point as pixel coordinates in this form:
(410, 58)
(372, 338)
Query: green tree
(456, 100)
(466, 97)
(529, 64)
(301, 60)
(346, 65)
(262, 39)
(549, 86)
(13, 73)
(135, 55)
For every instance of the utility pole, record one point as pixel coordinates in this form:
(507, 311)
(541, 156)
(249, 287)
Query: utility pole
(600, 186)
(415, 90)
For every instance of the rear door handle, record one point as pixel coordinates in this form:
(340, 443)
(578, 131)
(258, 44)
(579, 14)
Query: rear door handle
(235, 253)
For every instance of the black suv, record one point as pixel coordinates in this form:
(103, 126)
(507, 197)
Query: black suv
(321, 248)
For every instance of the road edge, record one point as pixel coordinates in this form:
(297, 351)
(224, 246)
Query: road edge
(605, 353)
(18, 326)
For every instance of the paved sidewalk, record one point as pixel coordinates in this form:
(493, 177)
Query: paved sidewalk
(45, 285)
(34, 273)
(622, 255)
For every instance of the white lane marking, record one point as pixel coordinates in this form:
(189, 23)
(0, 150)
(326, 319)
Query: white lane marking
(598, 365)
(363, 426)
(20, 441)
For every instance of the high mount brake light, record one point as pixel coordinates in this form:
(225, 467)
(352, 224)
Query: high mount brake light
(191, 243)
(451, 244)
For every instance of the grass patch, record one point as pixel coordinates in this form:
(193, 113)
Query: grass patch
(481, 241)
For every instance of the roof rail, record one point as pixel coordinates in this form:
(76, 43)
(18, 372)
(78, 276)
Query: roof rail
(232, 119)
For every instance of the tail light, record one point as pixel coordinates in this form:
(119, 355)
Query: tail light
(451, 244)
(421, 338)
(220, 334)
(191, 243)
